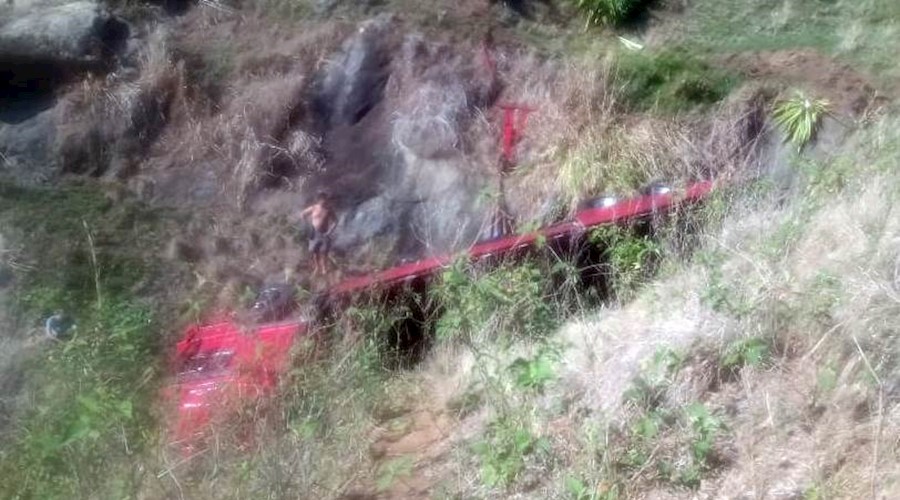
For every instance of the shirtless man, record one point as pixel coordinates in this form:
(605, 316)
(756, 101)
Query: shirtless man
(323, 223)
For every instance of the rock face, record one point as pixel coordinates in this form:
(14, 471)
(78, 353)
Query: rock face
(353, 82)
(41, 46)
(394, 112)
(27, 152)
(76, 33)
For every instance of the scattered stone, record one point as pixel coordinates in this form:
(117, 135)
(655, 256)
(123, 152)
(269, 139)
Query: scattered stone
(60, 326)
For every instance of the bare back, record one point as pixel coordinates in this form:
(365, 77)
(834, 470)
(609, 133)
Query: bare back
(320, 216)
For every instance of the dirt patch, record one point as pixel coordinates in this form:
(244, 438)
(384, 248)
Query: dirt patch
(850, 91)
(405, 450)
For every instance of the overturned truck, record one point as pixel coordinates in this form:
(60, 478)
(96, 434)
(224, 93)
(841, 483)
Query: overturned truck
(223, 364)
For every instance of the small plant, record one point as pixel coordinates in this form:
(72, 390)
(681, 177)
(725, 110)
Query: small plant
(705, 428)
(390, 472)
(515, 298)
(799, 118)
(536, 372)
(579, 490)
(630, 258)
(720, 295)
(753, 352)
(504, 450)
(649, 388)
(609, 12)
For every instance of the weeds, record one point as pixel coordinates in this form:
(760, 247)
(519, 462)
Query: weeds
(517, 296)
(90, 416)
(610, 12)
(753, 352)
(650, 387)
(671, 81)
(394, 470)
(536, 372)
(579, 490)
(504, 450)
(799, 118)
(601, 164)
(630, 258)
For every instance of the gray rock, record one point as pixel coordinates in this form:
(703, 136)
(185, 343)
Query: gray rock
(75, 33)
(26, 149)
(429, 126)
(353, 81)
(395, 156)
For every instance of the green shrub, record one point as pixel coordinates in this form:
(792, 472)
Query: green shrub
(670, 81)
(517, 297)
(610, 12)
(630, 258)
(91, 410)
(536, 372)
(705, 428)
(89, 417)
(503, 451)
(753, 351)
(799, 117)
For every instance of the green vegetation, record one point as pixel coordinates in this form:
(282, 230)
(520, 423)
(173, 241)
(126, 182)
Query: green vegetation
(503, 452)
(536, 372)
(752, 351)
(610, 12)
(863, 32)
(90, 416)
(519, 296)
(670, 81)
(799, 118)
(92, 412)
(392, 471)
(602, 164)
(630, 258)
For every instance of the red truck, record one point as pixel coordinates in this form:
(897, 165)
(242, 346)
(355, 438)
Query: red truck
(222, 364)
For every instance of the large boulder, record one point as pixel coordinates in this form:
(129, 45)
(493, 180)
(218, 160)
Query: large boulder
(353, 81)
(27, 149)
(77, 33)
(395, 112)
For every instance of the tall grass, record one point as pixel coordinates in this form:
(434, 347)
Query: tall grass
(88, 424)
(609, 12)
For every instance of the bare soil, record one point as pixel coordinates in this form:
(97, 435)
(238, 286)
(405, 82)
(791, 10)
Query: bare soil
(850, 91)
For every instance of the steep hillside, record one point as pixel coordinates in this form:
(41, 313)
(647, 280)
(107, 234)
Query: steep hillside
(154, 158)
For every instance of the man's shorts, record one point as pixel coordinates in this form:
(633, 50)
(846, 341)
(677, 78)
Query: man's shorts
(319, 244)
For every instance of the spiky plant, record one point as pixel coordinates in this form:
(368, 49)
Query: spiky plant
(799, 117)
(608, 12)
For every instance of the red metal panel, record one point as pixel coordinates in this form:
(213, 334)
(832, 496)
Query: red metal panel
(698, 191)
(412, 270)
(226, 366)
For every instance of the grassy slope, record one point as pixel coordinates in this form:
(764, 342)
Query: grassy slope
(863, 33)
(525, 409)
(88, 419)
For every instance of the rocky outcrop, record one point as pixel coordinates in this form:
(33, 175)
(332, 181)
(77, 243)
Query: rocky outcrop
(27, 149)
(396, 114)
(353, 81)
(73, 34)
(42, 46)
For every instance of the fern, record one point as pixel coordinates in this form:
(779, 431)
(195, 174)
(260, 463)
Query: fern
(799, 117)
